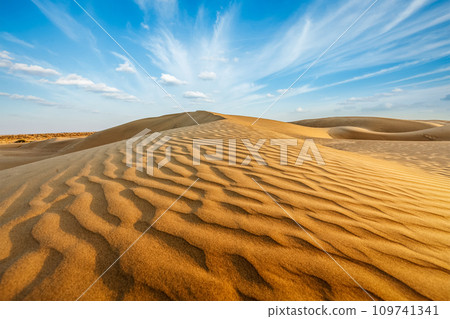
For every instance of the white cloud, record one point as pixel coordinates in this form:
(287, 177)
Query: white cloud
(126, 67)
(79, 81)
(205, 75)
(168, 79)
(5, 62)
(194, 95)
(33, 69)
(299, 109)
(122, 96)
(197, 96)
(270, 95)
(5, 55)
(30, 98)
(145, 26)
(90, 86)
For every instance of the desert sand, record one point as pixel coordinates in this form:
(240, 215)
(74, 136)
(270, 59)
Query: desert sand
(27, 148)
(379, 208)
(26, 138)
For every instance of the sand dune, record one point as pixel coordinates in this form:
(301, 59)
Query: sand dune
(19, 154)
(377, 124)
(441, 133)
(155, 124)
(65, 219)
(373, 128)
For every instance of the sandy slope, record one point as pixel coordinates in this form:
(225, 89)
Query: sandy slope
(65, 219)
(12, 155)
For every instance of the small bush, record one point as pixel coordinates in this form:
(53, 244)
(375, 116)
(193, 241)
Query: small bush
(20, 141)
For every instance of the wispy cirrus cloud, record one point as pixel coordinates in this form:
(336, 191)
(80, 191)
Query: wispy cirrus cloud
(165, 8)
(11, 38)
(30, 98)
(372, 98)
(307, 88)
(413, 7)
(59, 16)
(236, 57)
(420, 75)
(406, 103)
(288, 50)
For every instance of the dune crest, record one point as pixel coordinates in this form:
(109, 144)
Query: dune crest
(373, 128)
(66, 219)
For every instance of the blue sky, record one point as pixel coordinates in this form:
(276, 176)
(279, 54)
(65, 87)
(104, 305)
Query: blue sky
(60, 72)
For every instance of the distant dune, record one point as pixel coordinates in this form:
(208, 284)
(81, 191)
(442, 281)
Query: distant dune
(374, 128)
(66, 218)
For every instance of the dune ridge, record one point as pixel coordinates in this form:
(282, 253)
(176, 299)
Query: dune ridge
(441, 133)
(377, 124)
(18, 154)
(64, 220)
(373, 128)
